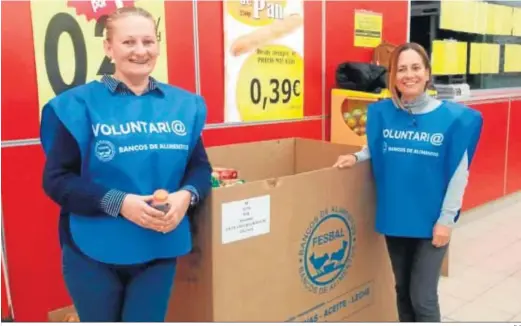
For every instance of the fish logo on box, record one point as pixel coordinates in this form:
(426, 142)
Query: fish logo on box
(326, 250)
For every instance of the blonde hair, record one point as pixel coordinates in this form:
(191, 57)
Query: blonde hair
(393, 69)
(125, 12)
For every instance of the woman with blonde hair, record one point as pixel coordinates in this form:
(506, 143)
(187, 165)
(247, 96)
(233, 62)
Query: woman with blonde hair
(109, 146)
(420, 150)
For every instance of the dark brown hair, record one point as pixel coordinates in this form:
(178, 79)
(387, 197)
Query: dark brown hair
(393, 69)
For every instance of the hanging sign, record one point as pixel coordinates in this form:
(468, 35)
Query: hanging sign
(368, 29)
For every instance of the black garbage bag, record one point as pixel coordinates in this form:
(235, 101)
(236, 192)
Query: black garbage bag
(361, 76)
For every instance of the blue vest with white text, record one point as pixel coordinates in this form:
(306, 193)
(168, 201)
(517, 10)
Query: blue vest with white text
(413, 159)
(136, 144)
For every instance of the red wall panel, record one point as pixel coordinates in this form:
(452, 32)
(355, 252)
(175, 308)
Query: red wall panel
(488, 168)
(211, 48)
(340, 33)
(312, 58)
(513, 182)
(20, 117)
(211, 57)
(180, 45)
(31, 236)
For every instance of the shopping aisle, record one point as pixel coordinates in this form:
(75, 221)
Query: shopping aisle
(485, 265)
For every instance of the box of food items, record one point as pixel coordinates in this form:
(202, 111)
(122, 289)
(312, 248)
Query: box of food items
(292, 240)
(349, 115)
(225, 177)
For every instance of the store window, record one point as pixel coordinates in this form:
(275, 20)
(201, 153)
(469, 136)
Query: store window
(470, 41)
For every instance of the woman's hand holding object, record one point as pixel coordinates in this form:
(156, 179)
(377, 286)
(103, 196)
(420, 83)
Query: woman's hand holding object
(137, 210)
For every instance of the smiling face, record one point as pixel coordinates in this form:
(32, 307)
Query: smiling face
(132, 45)
(411, 74)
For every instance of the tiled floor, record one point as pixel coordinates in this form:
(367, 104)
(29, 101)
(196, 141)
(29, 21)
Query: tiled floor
(484, 282)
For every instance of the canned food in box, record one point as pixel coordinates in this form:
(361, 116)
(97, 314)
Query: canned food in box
(225, 174)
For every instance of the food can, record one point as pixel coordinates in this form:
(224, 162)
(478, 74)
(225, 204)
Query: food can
(225, 173)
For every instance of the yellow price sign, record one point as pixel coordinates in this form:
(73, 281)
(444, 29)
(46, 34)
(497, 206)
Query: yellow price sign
(68, 43)
(264, 59)
(270, 85)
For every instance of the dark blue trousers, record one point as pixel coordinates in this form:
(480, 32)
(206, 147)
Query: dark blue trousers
(115, 293)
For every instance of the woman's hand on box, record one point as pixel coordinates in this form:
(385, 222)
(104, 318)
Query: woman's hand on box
(179, 202)
(345, 161)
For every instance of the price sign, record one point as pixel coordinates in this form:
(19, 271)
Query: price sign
(270, 85)
(264, 60)
(68, 42)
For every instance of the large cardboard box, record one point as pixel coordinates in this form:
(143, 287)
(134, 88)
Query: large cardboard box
(296, 242)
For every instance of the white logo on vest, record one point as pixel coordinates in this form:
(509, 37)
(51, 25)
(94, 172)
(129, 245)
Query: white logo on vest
(179, 128)
(414, 137)
(435, 139)
(139, 127)
(104, 150)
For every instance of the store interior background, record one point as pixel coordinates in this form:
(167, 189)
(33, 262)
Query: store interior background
(31, 239)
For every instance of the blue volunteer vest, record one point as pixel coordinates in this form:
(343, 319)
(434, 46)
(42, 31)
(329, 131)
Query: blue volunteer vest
(136, 144)
(413, 159)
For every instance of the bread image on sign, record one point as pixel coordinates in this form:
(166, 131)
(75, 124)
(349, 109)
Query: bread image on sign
(279, 27)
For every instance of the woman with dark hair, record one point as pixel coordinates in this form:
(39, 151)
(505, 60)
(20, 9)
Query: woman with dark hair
(420, 150)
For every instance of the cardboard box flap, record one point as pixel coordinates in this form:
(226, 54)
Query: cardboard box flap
(273, 159)
(313, 155)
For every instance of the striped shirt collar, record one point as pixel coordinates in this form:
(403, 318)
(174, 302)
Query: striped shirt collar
(116, 86)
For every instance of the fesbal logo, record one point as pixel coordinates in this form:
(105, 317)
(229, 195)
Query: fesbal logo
(326, 250)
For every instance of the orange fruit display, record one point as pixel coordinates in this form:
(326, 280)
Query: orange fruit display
(355, 116)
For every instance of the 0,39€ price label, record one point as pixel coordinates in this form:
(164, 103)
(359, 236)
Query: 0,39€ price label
(68, 43)
(270, 85)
